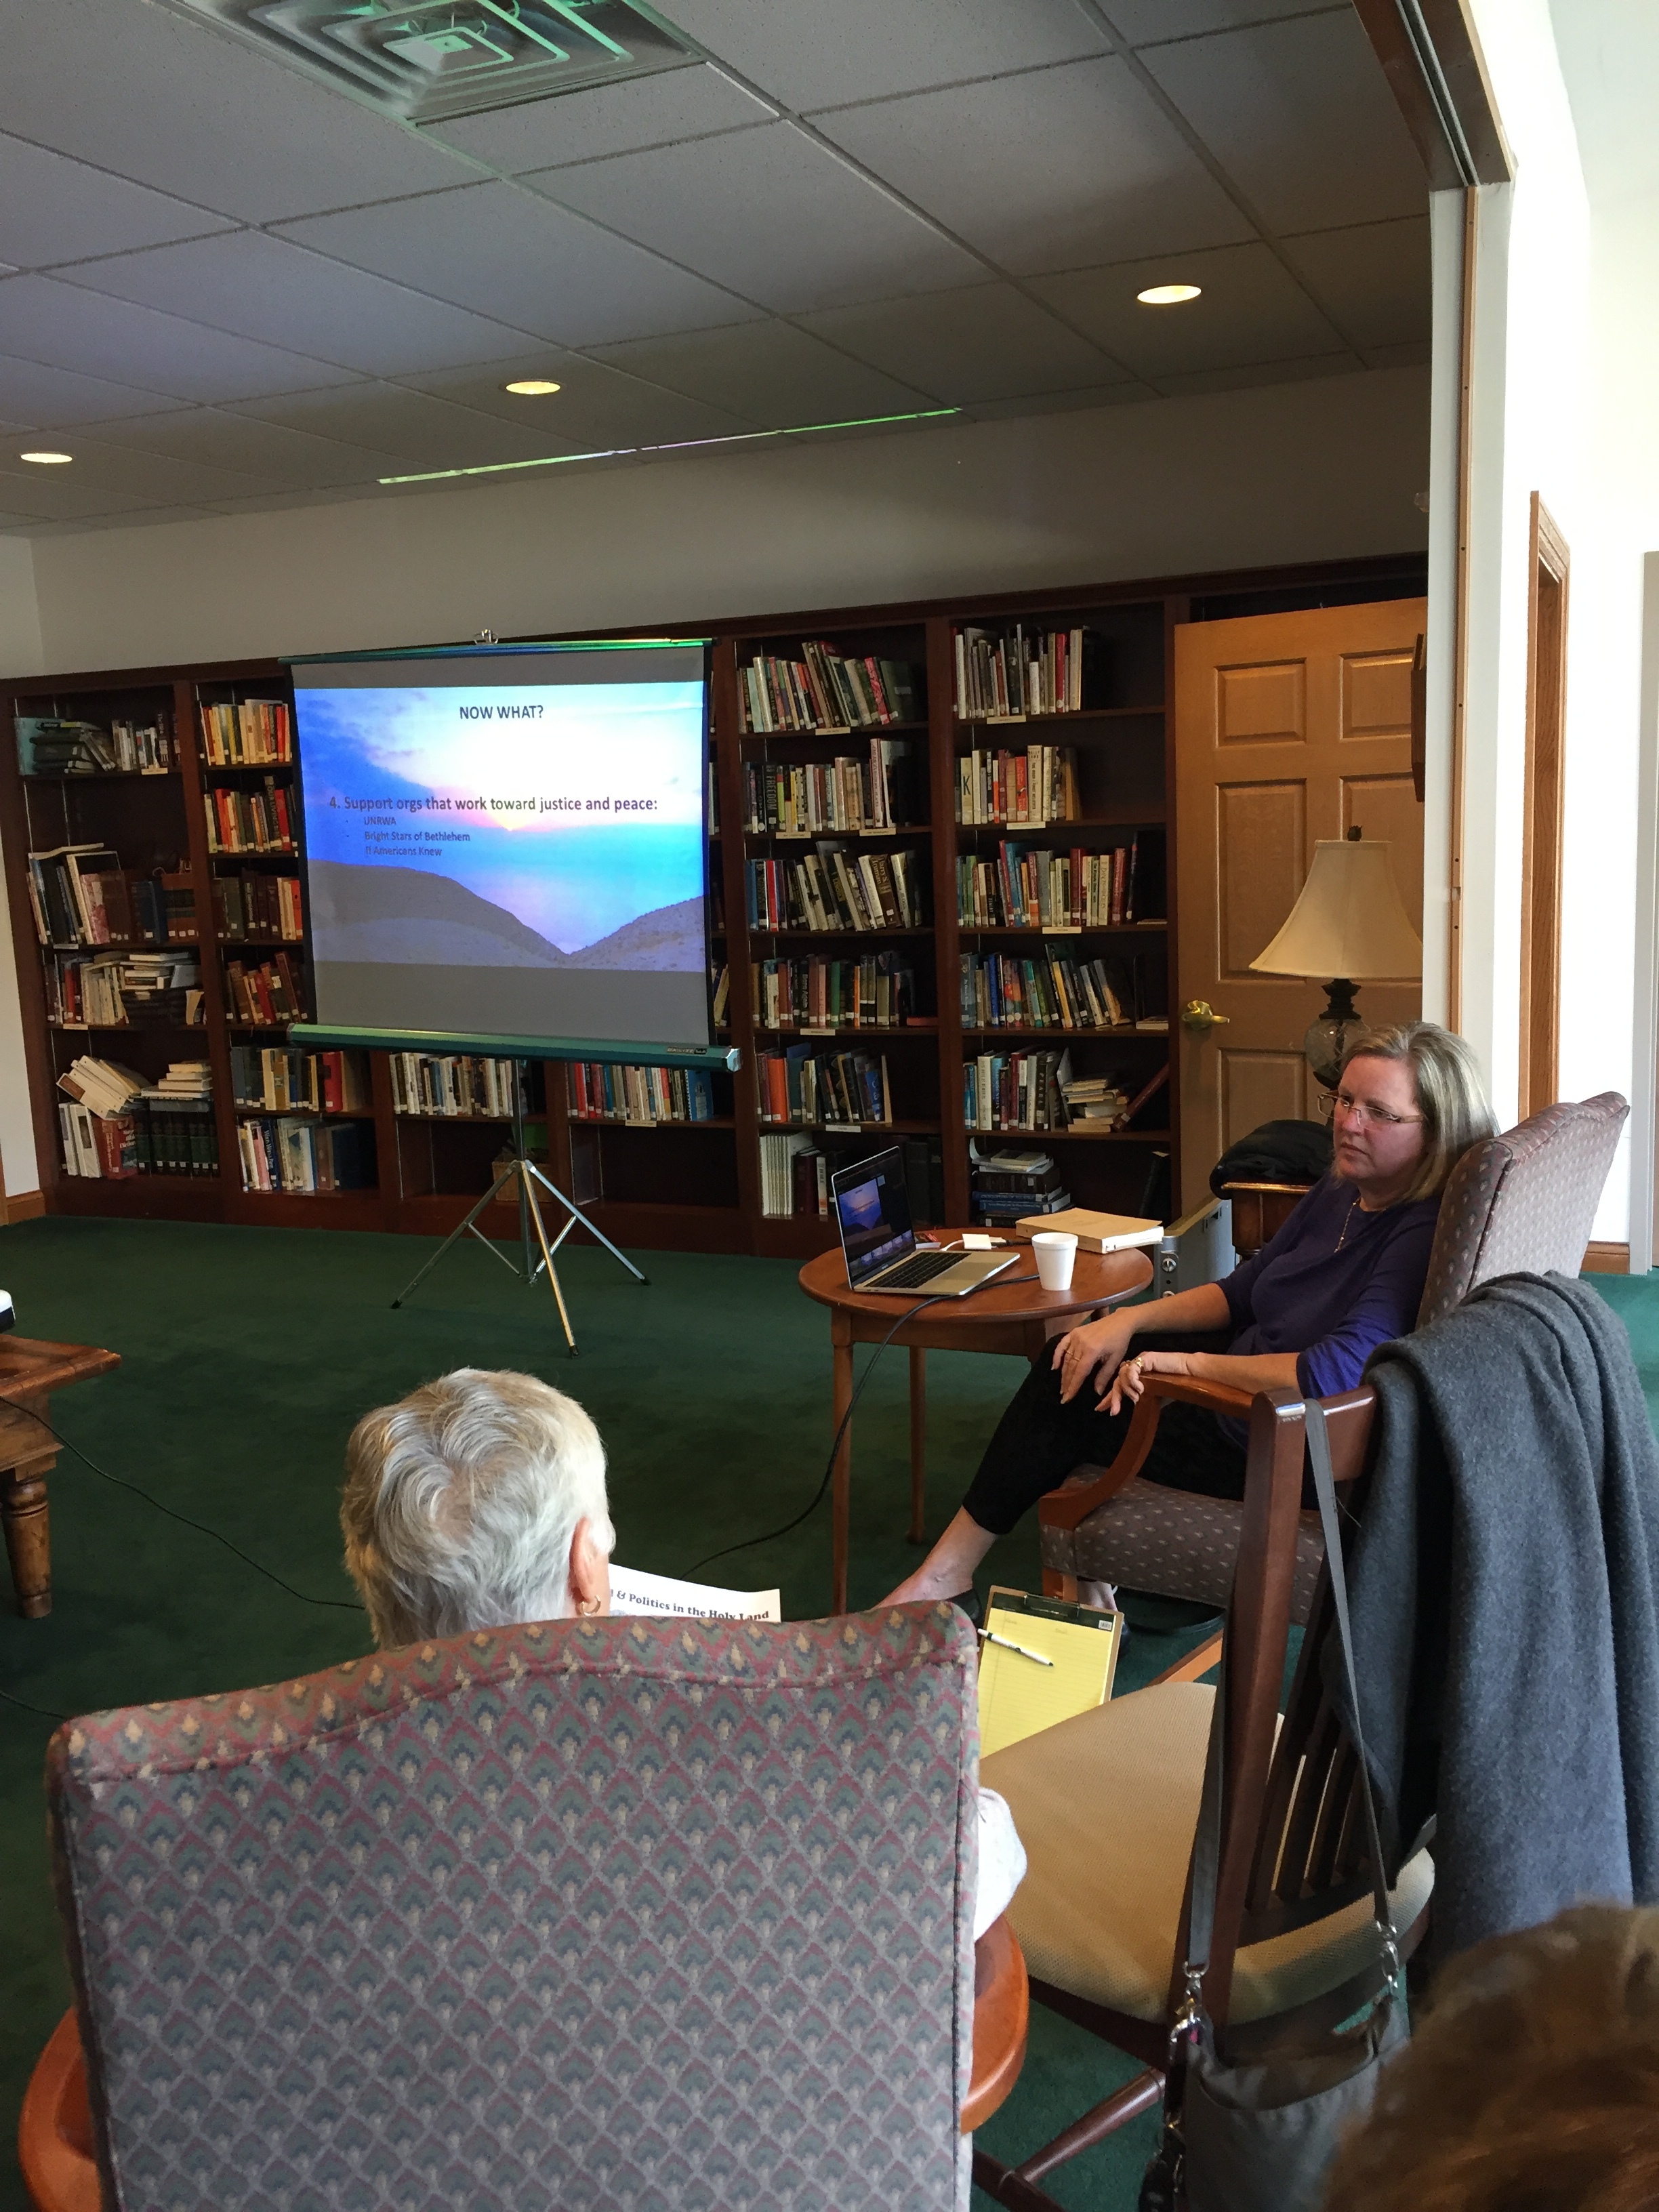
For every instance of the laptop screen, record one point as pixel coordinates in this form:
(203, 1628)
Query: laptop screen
(873, 1215)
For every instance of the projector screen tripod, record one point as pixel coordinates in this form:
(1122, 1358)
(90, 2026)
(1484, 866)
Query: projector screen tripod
(530, 1180)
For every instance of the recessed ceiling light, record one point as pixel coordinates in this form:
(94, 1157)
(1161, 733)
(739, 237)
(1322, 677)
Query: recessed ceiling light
(1167, 295)
(531, 388)
(45, 460)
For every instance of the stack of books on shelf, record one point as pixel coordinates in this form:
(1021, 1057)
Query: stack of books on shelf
(825, 690)
(257, 821)
(303, 1157)
(279, 1080)
(1030, 887)
(1006, 678)
(1035, 787)
(1007, 1185)
(843, 795)
(116, 1125)
(850, 1088)
(1016, 1090)
(265, 997)
(824, 995)
(604, 1091)
(836, 889)
(254, 905)
(49, 746)
(451, 1086)
(81, 895)
(123, 990)
(1050, 990)
(95, 1119)
(250, 734)
(1095, 1102)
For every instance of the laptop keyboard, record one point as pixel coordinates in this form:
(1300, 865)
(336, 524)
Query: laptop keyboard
(911, 1274)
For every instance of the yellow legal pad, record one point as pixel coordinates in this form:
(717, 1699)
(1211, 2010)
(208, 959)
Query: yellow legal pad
(1018, 1696)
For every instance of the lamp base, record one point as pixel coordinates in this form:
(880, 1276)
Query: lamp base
(1332, 1033)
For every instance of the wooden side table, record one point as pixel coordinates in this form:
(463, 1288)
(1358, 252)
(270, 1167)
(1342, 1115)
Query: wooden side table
(1018, 1316)
(30, 1370)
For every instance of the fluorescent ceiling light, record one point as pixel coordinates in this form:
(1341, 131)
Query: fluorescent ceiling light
(46, 460)
(531, 388)
(1168, 295)
(678, 445)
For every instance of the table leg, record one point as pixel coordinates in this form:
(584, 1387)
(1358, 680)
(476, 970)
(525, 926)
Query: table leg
(841, 1493)
(28, 1542)
(918, 1446)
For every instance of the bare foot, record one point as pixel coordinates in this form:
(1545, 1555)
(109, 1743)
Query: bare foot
(948, 1568)
(929, 1582)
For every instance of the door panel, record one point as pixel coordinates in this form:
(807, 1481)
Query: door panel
(1289, 728)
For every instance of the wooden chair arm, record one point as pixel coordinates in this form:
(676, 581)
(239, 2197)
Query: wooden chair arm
(1065, 1509)
(1001, 2012)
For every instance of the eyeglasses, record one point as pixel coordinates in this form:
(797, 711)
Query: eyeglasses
(1356, 1109)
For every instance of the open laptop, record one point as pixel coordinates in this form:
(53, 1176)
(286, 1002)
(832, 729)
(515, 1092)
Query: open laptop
(873, 1213)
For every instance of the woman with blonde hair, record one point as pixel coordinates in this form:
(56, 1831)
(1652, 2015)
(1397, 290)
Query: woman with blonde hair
(1344, 1274)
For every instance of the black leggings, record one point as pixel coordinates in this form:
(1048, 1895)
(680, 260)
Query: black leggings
(1039, 1440)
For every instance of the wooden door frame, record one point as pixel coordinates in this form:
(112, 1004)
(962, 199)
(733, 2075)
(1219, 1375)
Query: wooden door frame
(1547, 569)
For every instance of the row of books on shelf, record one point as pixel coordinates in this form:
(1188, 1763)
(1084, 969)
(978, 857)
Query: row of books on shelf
(1038, 1090)
(250, 734)
(795, 1172)
(255, 905)
(265, 996)
(1054, 672)
(81, 895)
(825, 690)
(280, 1080)
(1034, 788)
(303, 1157)
(1028, 887)
(800, 1084)
(813, 992)
(847, 794)
(259, 821)
(835, 888)
(124, 990)
(1048, 990)
(453, 1085)
(48, 745)
(114, 1123)
(604, 1091)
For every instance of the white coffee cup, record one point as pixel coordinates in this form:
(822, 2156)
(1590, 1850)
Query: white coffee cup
(1055, 1251)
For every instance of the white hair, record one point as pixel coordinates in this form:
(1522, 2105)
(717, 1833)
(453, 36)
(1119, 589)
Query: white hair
(461, 1502)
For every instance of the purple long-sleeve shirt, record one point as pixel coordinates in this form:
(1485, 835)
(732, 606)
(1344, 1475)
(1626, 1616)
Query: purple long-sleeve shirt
(1332, 1285)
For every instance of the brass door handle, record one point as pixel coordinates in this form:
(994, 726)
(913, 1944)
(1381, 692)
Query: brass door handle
(1200, 1017)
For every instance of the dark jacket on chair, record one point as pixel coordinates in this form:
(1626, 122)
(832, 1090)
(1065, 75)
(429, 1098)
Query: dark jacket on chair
(1505, 1593)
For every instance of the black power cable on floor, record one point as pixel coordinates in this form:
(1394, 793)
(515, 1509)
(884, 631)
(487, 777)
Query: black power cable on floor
(46, 1712)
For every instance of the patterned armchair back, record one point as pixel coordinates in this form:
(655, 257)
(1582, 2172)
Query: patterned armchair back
(620, 1914)
(1523, 1203)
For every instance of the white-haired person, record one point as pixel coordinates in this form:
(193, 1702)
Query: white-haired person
(478, 1501)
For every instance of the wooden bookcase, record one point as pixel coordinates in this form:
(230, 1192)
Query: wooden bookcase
(694, 1186)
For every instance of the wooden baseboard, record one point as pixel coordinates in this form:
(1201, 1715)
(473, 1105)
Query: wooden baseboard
(1602, 1258)
(28, 1206)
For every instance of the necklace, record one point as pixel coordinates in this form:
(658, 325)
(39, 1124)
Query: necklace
(1347, 1224)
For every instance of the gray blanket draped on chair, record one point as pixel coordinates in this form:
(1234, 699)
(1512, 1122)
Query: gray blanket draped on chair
(1505, 1593)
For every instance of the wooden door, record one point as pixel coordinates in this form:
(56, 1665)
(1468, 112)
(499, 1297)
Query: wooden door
(1289, 728)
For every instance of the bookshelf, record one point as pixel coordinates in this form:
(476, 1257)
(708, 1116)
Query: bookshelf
(1079, 768)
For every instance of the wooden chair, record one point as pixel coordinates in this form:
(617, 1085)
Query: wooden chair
(1107, 1806)
(1521, 1203)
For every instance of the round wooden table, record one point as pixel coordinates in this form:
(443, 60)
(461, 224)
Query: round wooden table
(1015, 1315)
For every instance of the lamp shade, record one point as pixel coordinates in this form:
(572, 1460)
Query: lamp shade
(1349, 919)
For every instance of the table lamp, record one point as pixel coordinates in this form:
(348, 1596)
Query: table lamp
(1349, 923)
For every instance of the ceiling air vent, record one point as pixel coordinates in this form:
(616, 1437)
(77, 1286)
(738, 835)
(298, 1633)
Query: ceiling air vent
(445, 58)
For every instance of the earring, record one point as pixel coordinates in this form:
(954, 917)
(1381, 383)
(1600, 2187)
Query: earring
(586, 1605)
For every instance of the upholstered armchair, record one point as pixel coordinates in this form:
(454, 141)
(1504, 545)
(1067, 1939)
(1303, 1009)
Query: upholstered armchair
(618, 1913)
(1521, 1203)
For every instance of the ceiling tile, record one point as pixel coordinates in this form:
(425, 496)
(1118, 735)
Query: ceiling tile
(65, 326)
(123, 517)
(271, 502)
(1050, 170)
(1251, 375)
(1251, 310)
(51, 495)
(986, 343)
(1375, 280)
(595, 406)
(770, 372)
(1145, 22)
(512, 254)
(267, 289)
(1301, 116)
(50, 398)
(177, 105)
(1058, 403)
(52, 208)
(412, 427)
(101, 468)
(268, 451)
(769, 213)
(1414, 354)
(808, 55)
(612, 118)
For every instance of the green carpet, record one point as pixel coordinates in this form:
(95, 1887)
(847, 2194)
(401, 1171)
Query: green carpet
(247, 1354)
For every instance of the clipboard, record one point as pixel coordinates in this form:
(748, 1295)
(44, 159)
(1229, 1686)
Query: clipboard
(1018, 1696)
